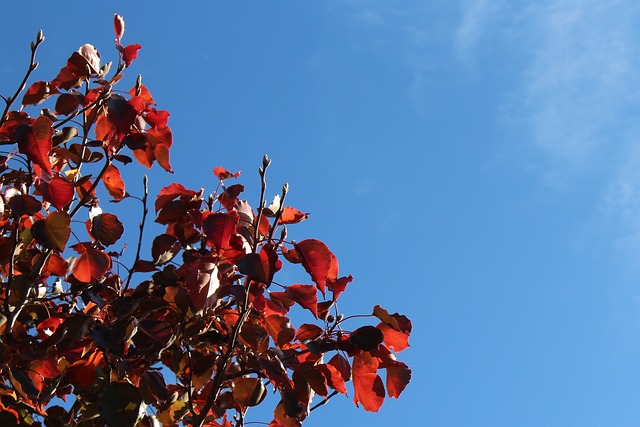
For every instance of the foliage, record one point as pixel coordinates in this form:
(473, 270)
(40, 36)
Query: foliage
(206, 329)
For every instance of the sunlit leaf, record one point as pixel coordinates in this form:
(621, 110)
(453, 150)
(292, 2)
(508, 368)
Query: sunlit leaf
(367, 384)
(318, 261)
(91, 265)
(305, 295)
(113, 182)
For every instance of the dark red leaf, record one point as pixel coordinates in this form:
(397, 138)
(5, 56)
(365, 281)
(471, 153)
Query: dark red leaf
(164, 248)
(24, 204)
(122, 114)
(38, 92)
(106, 228)
(67, 103)
(342, 365)
(260, 267)
(318, 261)
(59, 192)
(119, 404)
(35, 142)
(305, 295)
(308, 331)
(202, 281)
(219, 227)
(169, 193)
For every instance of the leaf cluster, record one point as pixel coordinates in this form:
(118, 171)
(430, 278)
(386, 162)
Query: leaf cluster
(206, 329)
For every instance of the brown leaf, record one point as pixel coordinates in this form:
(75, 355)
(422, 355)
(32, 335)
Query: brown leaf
(53, 231)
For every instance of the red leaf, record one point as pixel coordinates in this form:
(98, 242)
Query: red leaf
(339, 286)
(122, 114)
(113, 182)
(260, 267)
(56, 265)
(223, 174)
(342, 365)
(38, 92)
(170, 192)
(67, 103)
(91, 265)
(279, 329)
(219, 227)
(157, 119)
(164, 248)
(396, 321)
(305, 295)
(35, 141)
(398, 377)
(318, 261)
(118, 26)
(367, 384)
(83, 372)
(202, 281)
(308, 331)
(106, 228)
(144, 93)
(395, 340)
(334, 377)
(59, 192)
(24, 204)
(292, 216)
(130, 53)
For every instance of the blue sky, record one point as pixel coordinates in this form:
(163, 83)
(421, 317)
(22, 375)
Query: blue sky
(474, 164)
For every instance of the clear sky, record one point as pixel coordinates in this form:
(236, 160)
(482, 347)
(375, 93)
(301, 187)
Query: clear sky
(474, 164)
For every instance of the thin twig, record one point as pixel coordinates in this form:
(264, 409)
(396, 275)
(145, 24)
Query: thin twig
(145, 211)
(324, 401)
(32, 66)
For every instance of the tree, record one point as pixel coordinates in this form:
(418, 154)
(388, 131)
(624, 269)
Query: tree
(192, 333)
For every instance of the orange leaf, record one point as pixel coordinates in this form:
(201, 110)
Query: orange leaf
(91, 265)
(292, 216)
(113, 182)
(367, 384)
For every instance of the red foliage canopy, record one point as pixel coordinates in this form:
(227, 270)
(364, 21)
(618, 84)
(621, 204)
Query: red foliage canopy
(205, 306)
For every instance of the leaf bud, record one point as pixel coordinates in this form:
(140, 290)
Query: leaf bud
(265, 161)
(285, 188)
(39, 37)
